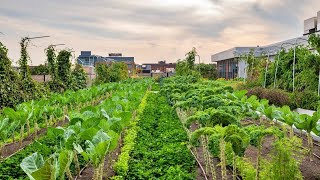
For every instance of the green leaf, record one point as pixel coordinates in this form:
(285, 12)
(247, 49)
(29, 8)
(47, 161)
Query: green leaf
(100, 137)
(65, 159)
(75, 120)
(54, 133)
(105, 114)
(31, 164)
(44, 173)
(92, 122)
(88, 134)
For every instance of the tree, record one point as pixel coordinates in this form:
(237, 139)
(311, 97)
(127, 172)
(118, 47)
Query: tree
(103, 73)
(118, 71)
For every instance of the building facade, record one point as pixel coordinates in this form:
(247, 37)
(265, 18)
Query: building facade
(231, 63)
(86, 58)
(161, 66)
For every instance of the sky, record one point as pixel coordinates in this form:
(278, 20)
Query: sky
(150, 30)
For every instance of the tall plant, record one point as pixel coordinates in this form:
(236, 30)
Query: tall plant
(51, 59)
(23, 61)
(64, 67)
(10, 84)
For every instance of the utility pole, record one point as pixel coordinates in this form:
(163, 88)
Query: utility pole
(24, 40)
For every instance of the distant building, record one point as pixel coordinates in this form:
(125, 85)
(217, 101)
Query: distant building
(230, 63)
(161, 66)
(88, 59)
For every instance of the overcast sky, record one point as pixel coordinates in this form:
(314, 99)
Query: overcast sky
(150, 30)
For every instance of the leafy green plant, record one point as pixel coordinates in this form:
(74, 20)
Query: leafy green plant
(257, 134)
(308, 123)
(219, 138)
(53, 168)
(121, 166)
(160, 144)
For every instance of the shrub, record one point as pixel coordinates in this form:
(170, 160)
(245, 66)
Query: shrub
(306, 100)
(78, 78)
(277, 97)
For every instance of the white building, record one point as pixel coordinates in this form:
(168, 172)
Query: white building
(230, 63)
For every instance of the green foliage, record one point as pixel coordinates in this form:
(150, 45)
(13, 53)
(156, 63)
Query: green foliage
(245, 168)
(10, 168)
(10, 84)
(103, 74)
(51, 60)
(207, 70)
(160, 150)
(121, 167)
(30, 88)
(78, 78)
(306, 100)
(286, 158)
(306, 70)
(314, 41)
(190, 58)
(114, 72)
(212, 105)
(23, 61)
(255, 66)
(64, 67)
(118, 71)
(186, 67)
(276, 97)
(127, 96)
(39, 70)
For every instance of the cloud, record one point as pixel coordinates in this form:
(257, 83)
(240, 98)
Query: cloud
(151, 30)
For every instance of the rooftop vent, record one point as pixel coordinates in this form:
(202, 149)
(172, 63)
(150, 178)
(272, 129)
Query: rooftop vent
(310, 25)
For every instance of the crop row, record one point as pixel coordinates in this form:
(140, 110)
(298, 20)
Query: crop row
(219, 111)
(30, 117)
(159, 149)
(92, 132)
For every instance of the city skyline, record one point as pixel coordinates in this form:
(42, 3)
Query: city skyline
(150, 30)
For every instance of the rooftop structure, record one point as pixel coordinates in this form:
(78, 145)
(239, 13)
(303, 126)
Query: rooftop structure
(230, 62)
(86, 58)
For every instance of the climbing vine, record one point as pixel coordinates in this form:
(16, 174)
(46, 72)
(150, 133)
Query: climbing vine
(64, 67)
(51, 59)
(23, 61)
(10, 84)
